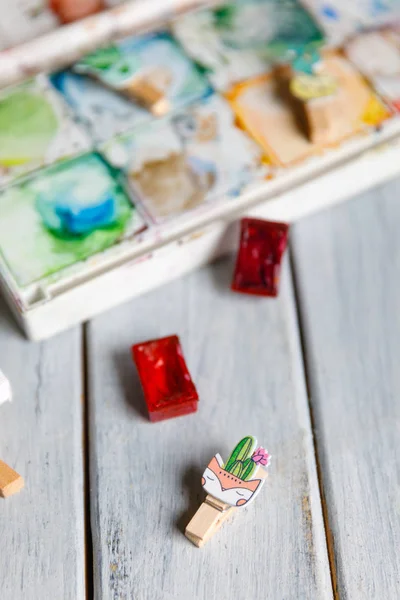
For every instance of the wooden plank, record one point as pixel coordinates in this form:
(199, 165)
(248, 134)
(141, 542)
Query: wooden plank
(347, 268)
(244, 356)
(42, 528)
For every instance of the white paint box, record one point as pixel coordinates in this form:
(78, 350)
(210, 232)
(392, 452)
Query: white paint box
(47, 297)
(135, 267)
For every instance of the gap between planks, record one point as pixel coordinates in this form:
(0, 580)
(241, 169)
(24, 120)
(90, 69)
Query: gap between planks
(88, 540)
(330, 543)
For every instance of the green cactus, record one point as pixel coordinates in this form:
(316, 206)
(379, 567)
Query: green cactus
(239, 462)
(249, 467)
(236, 470)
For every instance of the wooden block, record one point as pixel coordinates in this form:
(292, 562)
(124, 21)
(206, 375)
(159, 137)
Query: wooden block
(5, 389)
(10, 481)
(323, 115)
(319, 100)
(142, 90)
(207, 520)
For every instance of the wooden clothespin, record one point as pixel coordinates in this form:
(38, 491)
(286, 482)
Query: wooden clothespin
(229, 487)
(207, 520)
(5, 389)
(10, 481)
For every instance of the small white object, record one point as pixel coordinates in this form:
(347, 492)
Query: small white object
(5, 389)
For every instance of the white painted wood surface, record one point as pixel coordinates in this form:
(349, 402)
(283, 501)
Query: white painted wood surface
(348, 274)
(145, 478)
(42, 528)
(244, 355)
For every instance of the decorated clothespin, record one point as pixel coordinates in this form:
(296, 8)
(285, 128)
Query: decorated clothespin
(5, 389)
(229, 486)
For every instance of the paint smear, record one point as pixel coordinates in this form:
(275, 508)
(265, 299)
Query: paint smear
(64, 215)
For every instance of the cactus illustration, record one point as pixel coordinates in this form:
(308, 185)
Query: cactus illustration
(239, 462)
(248, 469)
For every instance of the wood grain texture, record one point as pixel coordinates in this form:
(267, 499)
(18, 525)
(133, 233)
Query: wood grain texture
(41, 528)
(348, 273)
(244, 356)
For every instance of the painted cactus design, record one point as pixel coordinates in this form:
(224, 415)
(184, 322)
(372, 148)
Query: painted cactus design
(244, 459)
(239, 480)
(240, 463)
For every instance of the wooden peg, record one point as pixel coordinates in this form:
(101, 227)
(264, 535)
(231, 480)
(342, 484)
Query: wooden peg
(145, 92)
(228, 486)
(323, 116)
(5, 389)
(207, 520)
(10, 481)
(320, 103)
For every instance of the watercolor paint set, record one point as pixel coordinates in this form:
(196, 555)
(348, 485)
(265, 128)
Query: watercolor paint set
(127, 159)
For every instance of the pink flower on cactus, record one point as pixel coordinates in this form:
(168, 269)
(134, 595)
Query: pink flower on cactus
(261, 457)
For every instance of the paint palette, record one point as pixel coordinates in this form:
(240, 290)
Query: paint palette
(270, 120)
(243, 39)
(103, 112)
(377, 55)
(341, 19)
(194, 158)
(36, 129)
(155, 58)
(111, 198)
(68, 213)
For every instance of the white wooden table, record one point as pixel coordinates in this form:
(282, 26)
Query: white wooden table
(314, 375)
